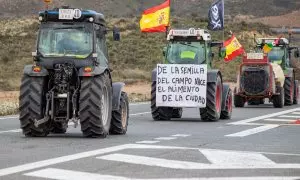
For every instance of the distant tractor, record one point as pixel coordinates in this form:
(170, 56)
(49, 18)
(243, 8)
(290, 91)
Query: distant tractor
(70, 80)
(268, 75)
(194, 47)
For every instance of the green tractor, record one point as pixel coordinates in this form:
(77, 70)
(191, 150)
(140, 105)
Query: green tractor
(194, 47)
(70, 80)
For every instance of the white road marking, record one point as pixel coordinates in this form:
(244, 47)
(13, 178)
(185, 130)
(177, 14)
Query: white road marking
(139, 114)
(165, 138)
(296, 113)
(236, 158)
(9, 117)
(264, 124)
(63, 159)
(259, 152)
(20, 130)
(60, 174)
(147, 142)
(264, 127)
(174, 164)
(181, 135)
(246, 121)
(17, 116)
(39, 164)
(11, 131)
(289, 116)
(70, 123)
(253, 131)
(137, 104)
(279, 120)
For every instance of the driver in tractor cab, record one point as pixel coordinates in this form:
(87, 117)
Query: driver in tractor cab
(66, 44)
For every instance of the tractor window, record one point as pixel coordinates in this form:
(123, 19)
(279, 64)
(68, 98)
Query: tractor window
(186, 53)
(64, 41)
(276, 55)
(100, 51)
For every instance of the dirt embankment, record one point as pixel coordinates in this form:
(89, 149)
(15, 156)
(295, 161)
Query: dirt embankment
(288, 20)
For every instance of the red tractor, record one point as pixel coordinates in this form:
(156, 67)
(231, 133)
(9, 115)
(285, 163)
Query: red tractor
(267, 75)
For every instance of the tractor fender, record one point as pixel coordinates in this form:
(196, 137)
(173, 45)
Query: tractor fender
(279, 74)
(28, 70)
(154, 74)
(212, 75)
(97, 70)
(117, 90)
(224, 95)
(289, 72)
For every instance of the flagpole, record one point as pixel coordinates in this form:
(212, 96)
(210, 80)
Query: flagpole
(223, 20)
(167, 27)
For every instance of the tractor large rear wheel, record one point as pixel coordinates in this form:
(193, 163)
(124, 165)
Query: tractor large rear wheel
(212, 111)
(288, 91)
(159, 113)
(95, 105)
(32, 106)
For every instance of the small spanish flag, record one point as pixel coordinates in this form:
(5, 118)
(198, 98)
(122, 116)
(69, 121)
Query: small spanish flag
(267, 48)
(156, 19)
(233, 48)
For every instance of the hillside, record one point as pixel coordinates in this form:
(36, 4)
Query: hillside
(289, 20)
(182, 8)
(132, 59)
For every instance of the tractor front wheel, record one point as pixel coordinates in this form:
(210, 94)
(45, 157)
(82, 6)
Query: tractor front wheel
(278, 100)
(119, 121)
(212, 112)
(159, 113)
(227, 112)
(239, 101)
(177, 113)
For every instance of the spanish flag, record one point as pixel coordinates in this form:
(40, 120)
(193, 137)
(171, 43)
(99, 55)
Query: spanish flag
(233, 48)
(156, 19)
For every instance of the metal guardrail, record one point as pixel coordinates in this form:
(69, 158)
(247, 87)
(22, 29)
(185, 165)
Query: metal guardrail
(286, 30)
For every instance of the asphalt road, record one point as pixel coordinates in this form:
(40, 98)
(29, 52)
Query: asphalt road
(259, 142)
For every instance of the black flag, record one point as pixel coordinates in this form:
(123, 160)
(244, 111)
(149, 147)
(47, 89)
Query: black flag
(216, 16)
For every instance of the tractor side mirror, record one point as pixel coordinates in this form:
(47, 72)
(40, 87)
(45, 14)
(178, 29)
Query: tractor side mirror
(164, 51)
(222, 52)
(116, 34)
(297, 53)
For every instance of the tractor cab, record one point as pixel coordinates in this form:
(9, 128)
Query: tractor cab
(191, 46)
(278, 53)
(72, 34)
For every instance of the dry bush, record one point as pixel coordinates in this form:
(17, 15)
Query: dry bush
(8, 107)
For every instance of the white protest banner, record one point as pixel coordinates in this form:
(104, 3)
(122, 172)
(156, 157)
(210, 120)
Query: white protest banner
(181, 85)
